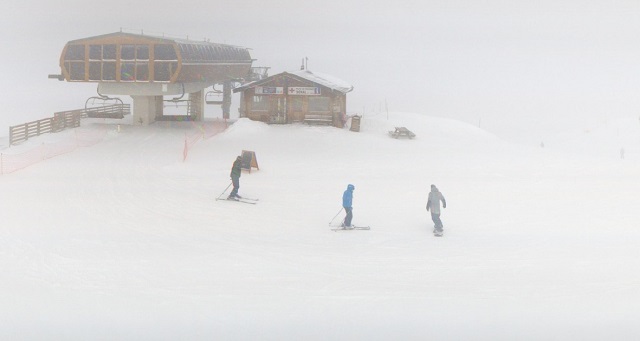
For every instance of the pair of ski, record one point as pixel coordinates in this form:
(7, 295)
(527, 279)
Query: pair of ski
(353, 227)
(251, 201)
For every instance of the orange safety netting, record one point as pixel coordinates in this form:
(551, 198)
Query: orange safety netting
(10, 163)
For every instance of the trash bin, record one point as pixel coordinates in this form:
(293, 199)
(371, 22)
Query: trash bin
(355, 123)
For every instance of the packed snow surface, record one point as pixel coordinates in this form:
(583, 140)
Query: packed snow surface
(123, 240)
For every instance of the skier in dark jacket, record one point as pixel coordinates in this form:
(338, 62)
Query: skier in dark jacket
(347, 199)
(433, 204)
(235, 177)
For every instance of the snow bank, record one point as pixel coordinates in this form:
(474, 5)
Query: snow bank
(124, 240)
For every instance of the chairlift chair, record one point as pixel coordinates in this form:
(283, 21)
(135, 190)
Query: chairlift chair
(103, 106)
(214, 97)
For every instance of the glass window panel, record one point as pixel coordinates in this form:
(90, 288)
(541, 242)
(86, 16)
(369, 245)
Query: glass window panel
(74, 52)
(128, 72)
(142, 52)
(260, 103)
(95, 52)
(161, 72)
(190, 53)
(109, 71)
(109, 52)
(76, 71)
(95, 71)
(164, 52)
(128, 52)
(142, 71)
(201, 52)
(297, 104)
(319, 103)
(194, 52)
(230, 53)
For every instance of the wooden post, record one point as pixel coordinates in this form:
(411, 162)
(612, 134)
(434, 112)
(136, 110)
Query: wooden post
(185, 152)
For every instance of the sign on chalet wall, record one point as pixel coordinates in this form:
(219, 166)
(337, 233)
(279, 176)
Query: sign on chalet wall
(269, 90)
(304, 90)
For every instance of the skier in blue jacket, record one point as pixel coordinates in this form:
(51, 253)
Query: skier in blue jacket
(347, 199)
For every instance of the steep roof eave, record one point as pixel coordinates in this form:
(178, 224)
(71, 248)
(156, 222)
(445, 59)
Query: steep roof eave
(341, 88)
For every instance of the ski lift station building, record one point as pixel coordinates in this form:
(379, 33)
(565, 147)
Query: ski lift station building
(297, 96)
(149, 67)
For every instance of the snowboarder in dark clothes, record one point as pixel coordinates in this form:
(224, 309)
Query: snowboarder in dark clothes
(433, 205)
(347, 199)
(235, 177)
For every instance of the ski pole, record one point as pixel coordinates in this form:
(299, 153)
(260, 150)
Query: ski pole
(221, 194)
(334, 217)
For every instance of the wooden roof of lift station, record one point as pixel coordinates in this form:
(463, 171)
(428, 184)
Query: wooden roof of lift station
(127, 57)
(298, 96)
(149, 67)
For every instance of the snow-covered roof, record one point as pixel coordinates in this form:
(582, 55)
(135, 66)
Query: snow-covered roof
(326, 80)
(329, 81)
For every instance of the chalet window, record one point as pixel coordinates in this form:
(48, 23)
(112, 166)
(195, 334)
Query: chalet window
(297, 104)
(142, 52)
(260, 103)
(142, 71)
(319, 103)
(76, 70)
(128, 52)
(127, 72)
(109, 71)
(95, 52)
(109, 52)
(164, 52)
(74, 62)
(74, 52)
(134, 63)
(95, 71)
(163, 71)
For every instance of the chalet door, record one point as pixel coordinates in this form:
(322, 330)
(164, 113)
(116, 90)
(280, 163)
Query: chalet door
(277, 111)
(295, 111)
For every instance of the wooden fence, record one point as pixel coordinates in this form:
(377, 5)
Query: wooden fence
(107, 111)
(64, 119)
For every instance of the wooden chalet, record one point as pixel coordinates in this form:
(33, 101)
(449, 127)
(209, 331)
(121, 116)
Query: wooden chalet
(298, 96)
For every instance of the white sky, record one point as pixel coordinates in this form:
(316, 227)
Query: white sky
(519, 69)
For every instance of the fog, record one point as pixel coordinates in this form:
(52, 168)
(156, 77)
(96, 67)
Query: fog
(522, 70)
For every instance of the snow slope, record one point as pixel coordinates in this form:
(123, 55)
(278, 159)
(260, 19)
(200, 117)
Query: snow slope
(123, 240)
